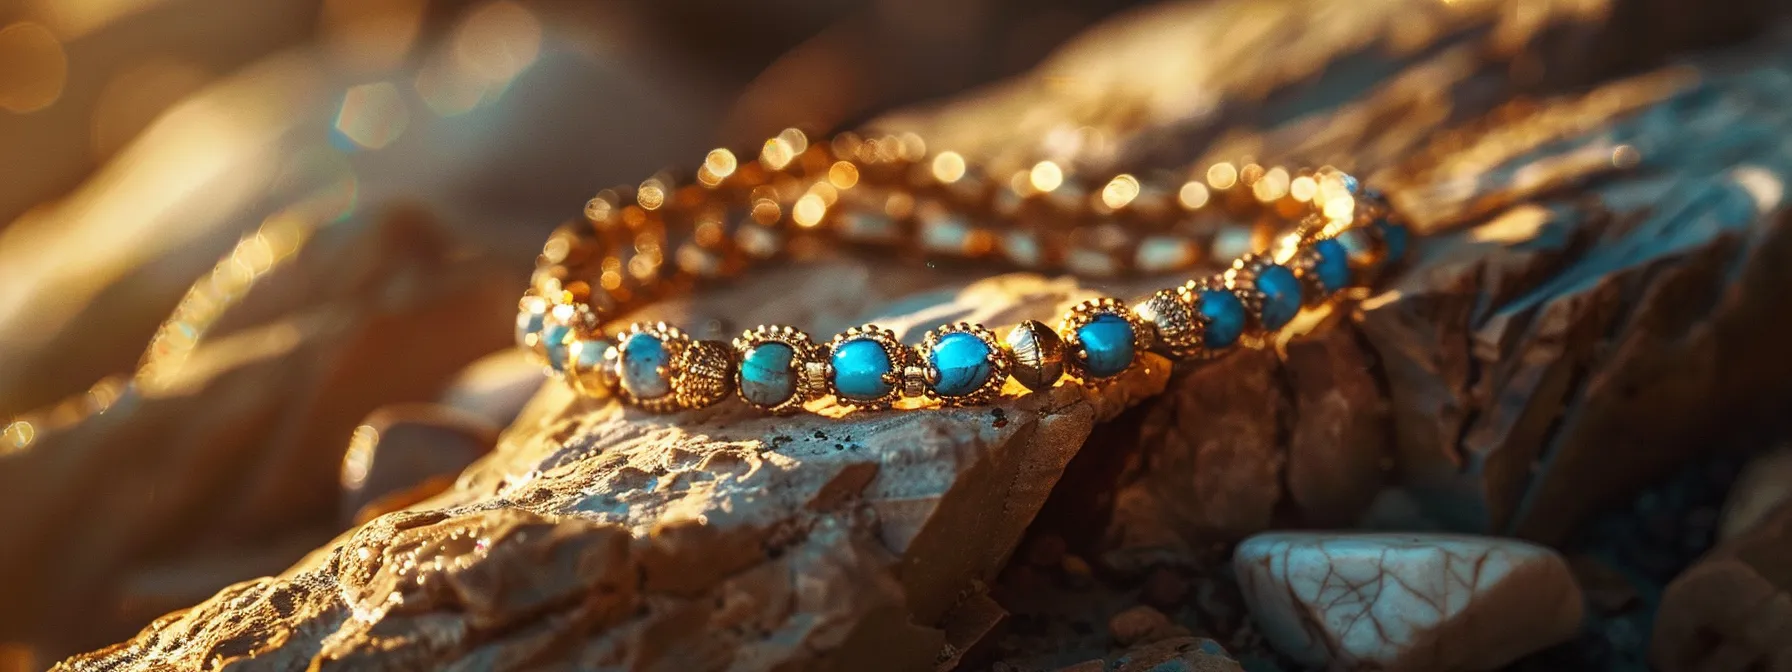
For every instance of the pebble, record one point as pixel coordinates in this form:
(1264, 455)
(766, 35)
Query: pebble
(1406, 601)
(1143, 624)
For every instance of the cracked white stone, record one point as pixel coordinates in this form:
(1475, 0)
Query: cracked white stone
(1406, 601)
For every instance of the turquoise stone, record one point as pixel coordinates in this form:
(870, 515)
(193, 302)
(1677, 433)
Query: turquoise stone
(646, 367)
(766, 377)
(1333, 265)
(554, 342)
(1281, 296)
(1225, 318)
(1107, 345)
(1395, 237)
(963, 363)
(859, 369)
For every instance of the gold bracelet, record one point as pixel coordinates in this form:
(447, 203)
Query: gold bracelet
(660, 238)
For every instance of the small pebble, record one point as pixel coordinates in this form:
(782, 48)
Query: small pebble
(1142, 624)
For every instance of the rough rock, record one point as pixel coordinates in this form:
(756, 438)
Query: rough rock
(399, 448)
(1181, 654)
(1406, 602)
(1598, 285)
(1764, 484)
(599, 535)
(1733, 609)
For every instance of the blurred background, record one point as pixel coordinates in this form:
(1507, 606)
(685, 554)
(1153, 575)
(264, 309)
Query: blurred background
(405, 158)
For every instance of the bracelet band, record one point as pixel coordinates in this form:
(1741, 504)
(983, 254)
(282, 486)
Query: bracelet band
(887, 190)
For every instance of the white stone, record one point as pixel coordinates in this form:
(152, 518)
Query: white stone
(1406, 601)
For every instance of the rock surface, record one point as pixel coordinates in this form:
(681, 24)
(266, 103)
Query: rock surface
(1406, 602)
(1733, 609)
(1180, 654)
(597, 535)
(1602, 285)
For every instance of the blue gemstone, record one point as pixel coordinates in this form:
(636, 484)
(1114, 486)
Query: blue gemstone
(1351, 184)
(1107, 345)
(646, 367)
(1333, 267)
(859, 369)
(554, 342)
(963, 362)
(766, 377)
(1395, 237)
(1281, 296)
(1225, 318)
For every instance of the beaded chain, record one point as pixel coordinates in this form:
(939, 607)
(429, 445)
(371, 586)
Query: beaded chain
(890, 190)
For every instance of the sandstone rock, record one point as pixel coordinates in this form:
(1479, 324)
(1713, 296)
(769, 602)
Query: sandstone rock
(1596, 286)
(400, 447)
(1763, 486)
(1731, 611)
(600, 535)
(1406, 602)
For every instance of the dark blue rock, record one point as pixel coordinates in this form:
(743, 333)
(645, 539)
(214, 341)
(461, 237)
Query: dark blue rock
(766, 376)
(1281, 296)
(1107, 343)
(963, 363)
(859, 369)
(1333, 265)
(646, 367)
(1226, 318)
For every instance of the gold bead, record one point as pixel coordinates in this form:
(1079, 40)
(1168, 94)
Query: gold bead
(1172, 316)
(703, 373)
(587, 368)
(1038, 355)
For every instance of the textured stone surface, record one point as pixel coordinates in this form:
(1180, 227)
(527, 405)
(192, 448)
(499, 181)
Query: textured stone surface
(1732, 611)
(1181, 654)
(1406, 602)
(602, 535)
(1595, 283)
(1565, 316)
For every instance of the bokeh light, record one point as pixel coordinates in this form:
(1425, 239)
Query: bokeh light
(372, 115)
(33, 68)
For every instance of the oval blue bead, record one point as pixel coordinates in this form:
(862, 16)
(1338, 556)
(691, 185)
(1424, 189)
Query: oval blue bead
(766, 378)
(553, 344)
(646, 367)
(963, 363)
(1225, 318)
(1281, 296)
(1107, 345)
(859, 369)
(1395, 237)
(1333, 267)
